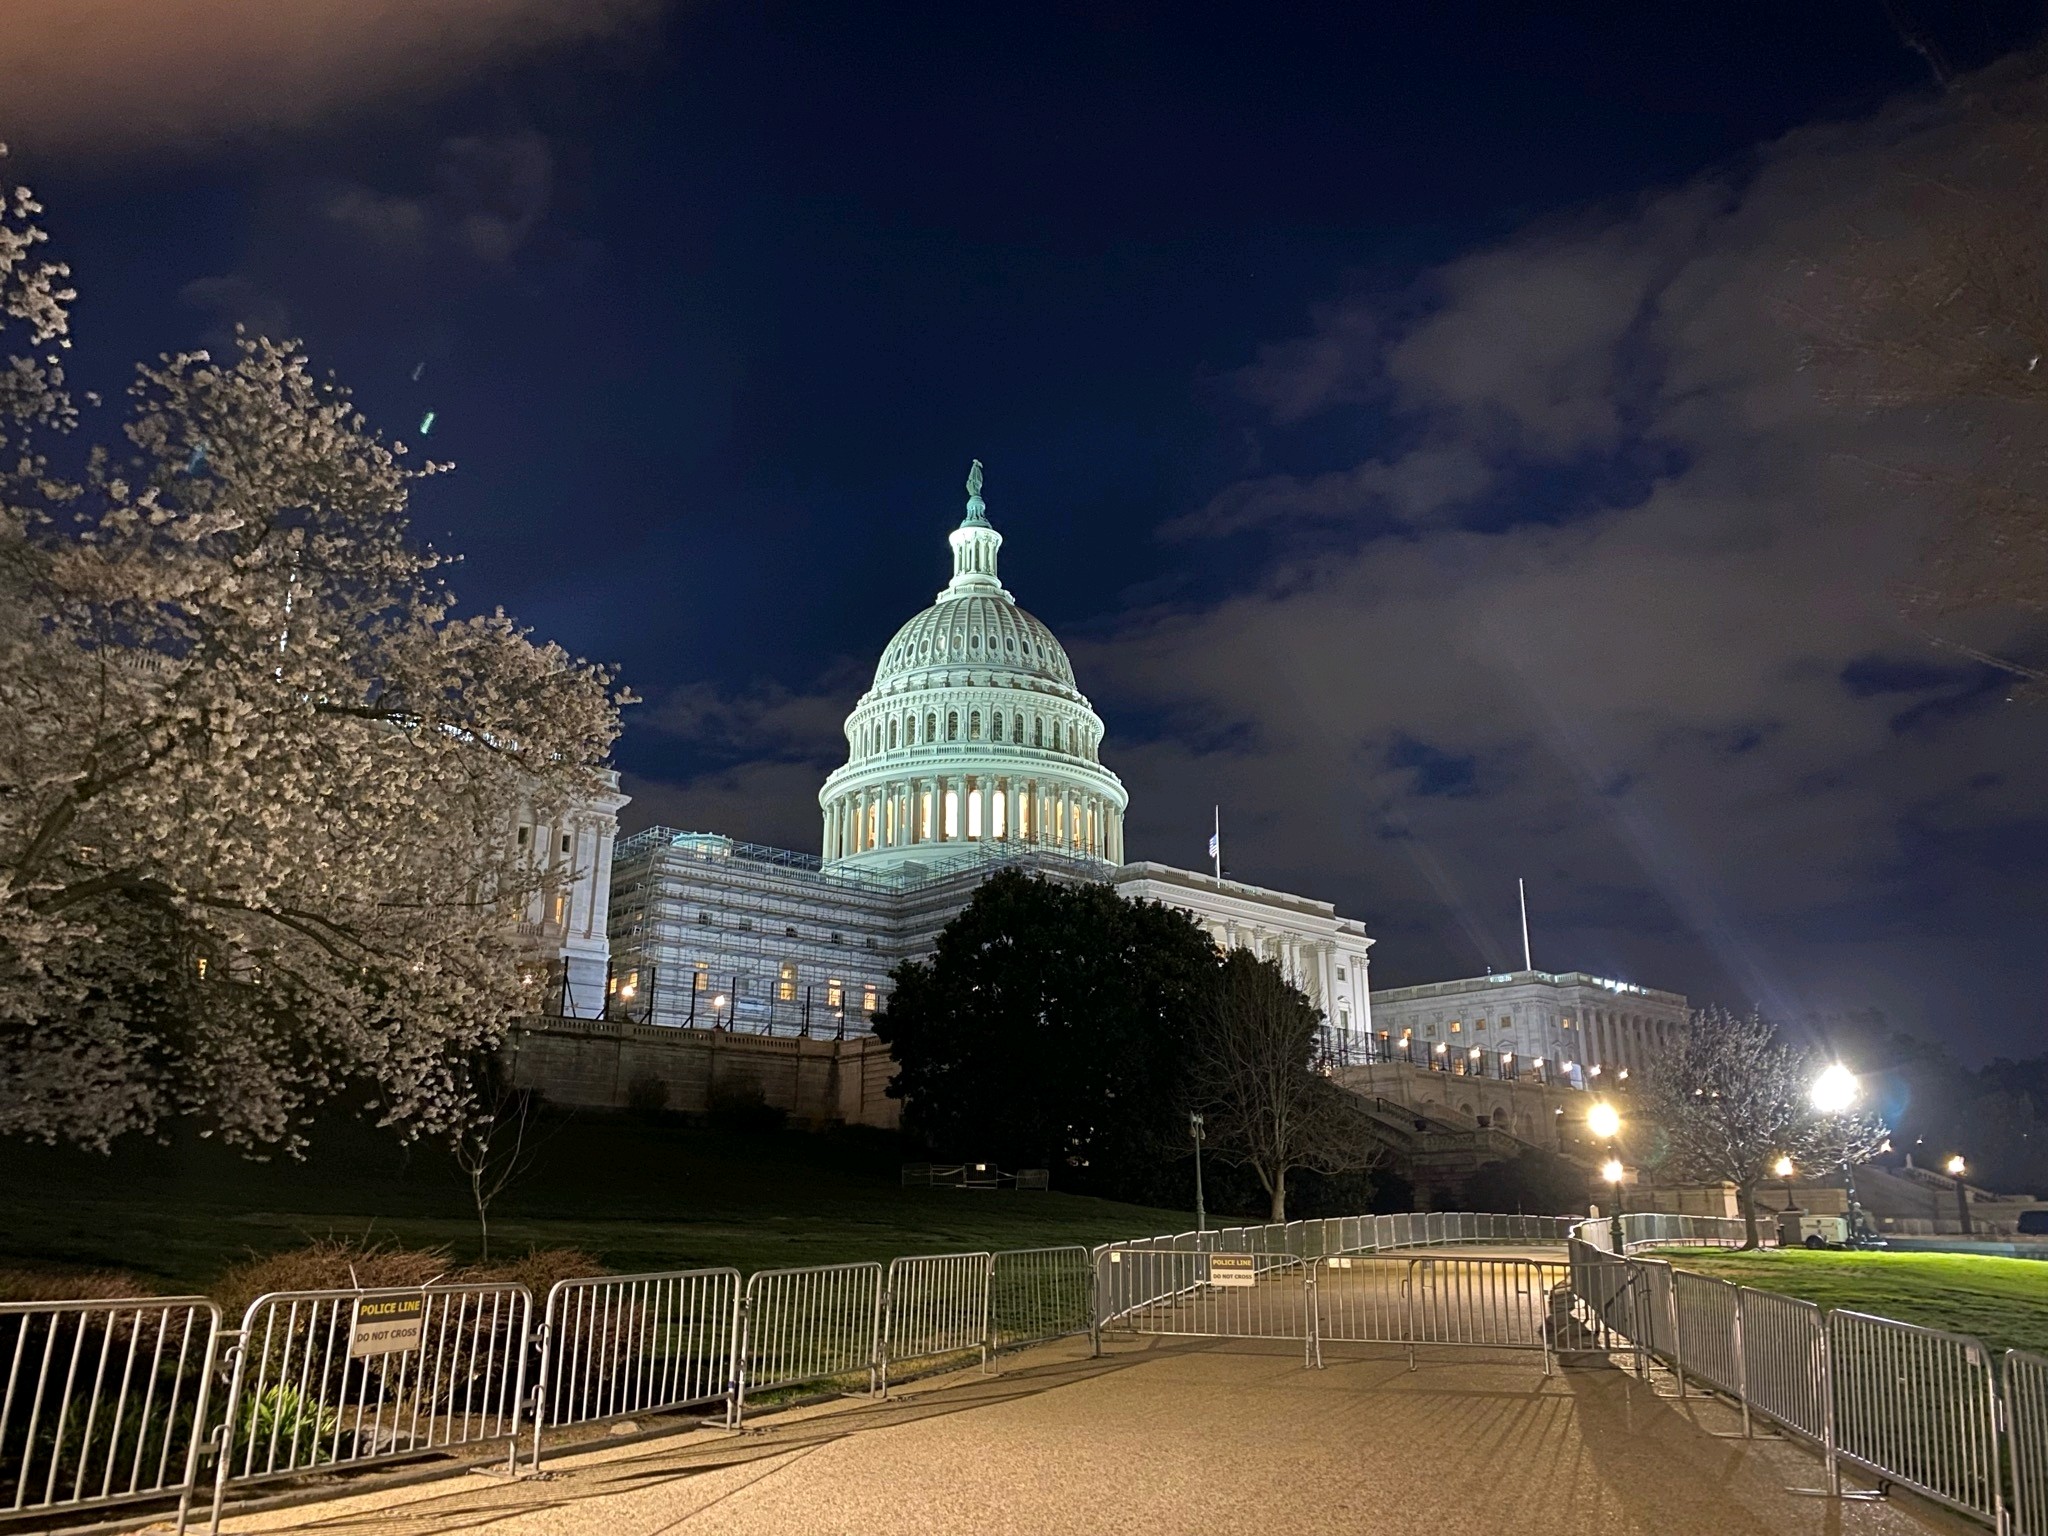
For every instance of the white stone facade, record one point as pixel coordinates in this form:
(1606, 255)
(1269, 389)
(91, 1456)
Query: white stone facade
(1584, 1027)
(1320, 952)
(568, 922)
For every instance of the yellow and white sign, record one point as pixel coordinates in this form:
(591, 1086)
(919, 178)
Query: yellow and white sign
(1232, 1269)
(386, 1325)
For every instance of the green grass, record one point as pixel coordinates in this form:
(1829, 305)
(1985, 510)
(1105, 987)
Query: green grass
(635, 1195)
(2003, 1302)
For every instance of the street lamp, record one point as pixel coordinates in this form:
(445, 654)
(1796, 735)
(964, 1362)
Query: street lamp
(1834, 1092)
(1195, 1125)
(1613, 1172)
(1603, 1120)
(1956, 1169)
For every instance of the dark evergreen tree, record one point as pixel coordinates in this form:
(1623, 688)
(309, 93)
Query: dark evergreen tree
(1051, 1029)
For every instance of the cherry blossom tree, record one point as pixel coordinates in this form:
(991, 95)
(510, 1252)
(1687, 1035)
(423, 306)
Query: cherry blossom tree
(258, 778)
(1731, 1097)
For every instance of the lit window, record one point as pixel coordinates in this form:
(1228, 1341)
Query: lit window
(835, 993)
(560, 899)
(952, 813)
(1457, 1028)
(974, 813)
(703, 981)
(998, 814)
(869, 997)
(785, 983)
(1476, 1024)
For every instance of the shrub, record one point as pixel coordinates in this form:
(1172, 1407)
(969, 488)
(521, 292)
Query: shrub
(647, 1096)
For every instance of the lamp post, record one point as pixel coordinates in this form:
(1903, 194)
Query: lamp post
(1956, 1169)
(1834, 1092)
(1195, 1125)
(1604, 1121)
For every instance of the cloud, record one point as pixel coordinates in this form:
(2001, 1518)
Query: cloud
(139, 76)
(490, 193)
(1611, 606)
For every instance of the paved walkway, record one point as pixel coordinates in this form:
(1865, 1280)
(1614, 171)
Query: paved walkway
(1162, 1436)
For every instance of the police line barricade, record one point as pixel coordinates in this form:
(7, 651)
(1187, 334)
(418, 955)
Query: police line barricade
(2025, 1380)
(812, 1324)
(1191, 1293)
(334, 1379)
(1455, 1302)
(1707, 1316)
(103, 1402)
(615, 1345)
(1918, 1406)
(1039, 1294)
(934, 1305)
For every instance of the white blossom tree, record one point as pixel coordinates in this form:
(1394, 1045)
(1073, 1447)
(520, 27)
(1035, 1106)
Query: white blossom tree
(1732, 1098)
(258, 779)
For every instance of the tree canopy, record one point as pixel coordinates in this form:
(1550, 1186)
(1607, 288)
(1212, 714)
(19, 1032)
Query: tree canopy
(1732, 1097)
(1051, 1028)
(258, 780)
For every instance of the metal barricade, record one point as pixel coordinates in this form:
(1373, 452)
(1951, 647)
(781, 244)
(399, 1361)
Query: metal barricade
(1659, 1315)
(624, 1344)
(104, 1401)
(1036, 1294)
(1469, 1303)
(1223, 1296)
(935, 1304)
(811, 1324)
(1785, 1362)
(1610, 1302)
(1917, 1406)
(344, 1378)
(1708, 1345)
(2026, 1429)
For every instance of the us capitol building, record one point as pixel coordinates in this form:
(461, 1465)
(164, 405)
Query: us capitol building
(974, 750)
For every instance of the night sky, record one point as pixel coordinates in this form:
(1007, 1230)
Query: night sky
(1393, 409)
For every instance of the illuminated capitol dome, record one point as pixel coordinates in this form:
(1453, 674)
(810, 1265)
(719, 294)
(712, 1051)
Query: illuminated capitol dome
(973, 740)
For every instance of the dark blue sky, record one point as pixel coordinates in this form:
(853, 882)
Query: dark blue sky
(716, 302)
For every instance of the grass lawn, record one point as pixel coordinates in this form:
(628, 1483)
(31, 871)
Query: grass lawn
(633, 1194)
(2003, 1302)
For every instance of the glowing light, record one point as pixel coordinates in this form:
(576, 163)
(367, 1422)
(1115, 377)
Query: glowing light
(1604, 1121)
(628, 990)
(1956, 1167)
(1834, 1090)
(1782, 1167)
(1612, 1171)
(426, 423)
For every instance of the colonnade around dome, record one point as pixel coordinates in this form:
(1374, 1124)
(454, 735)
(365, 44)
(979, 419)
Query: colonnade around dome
(927, 812)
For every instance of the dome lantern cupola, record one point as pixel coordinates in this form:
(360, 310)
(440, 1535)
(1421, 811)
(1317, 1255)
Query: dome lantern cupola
(973, 740)
(975, 545)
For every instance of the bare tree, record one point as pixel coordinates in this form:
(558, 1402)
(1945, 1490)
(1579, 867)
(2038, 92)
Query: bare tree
(1263, 1102)
(1733, 1098)
(258, 781)
(491, 1144)
(1938, 308)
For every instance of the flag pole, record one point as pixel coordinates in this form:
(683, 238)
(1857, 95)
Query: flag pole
(1216, 842)
(1523, 890)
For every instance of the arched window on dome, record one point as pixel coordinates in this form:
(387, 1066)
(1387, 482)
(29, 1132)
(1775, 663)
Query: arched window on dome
(931, 728)
(952, 725)
(1017, 731)
(1055, 735)
(910, 730)
(892, 735)
(974, 725)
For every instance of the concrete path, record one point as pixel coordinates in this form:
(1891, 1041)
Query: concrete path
(1162, 1436)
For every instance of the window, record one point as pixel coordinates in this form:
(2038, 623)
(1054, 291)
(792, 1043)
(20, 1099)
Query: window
(560, 898)
(1506, 1021)
(785, 982)
(1017, 731)
(838, 938)
(747, 924)
(868, 998)
(870, 942)
(1340, 973)
(974, 812)
(703, 980)
(1038, 733)
(952, 725)
(565, 842)
(525, 836)
(835, 993)
(892, 735)
(952, 813)
(931, 726)
(910, 732)
(1457, 1028)
(789, 932)
(1479, 1023)
(704, 918)
(974, 725)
